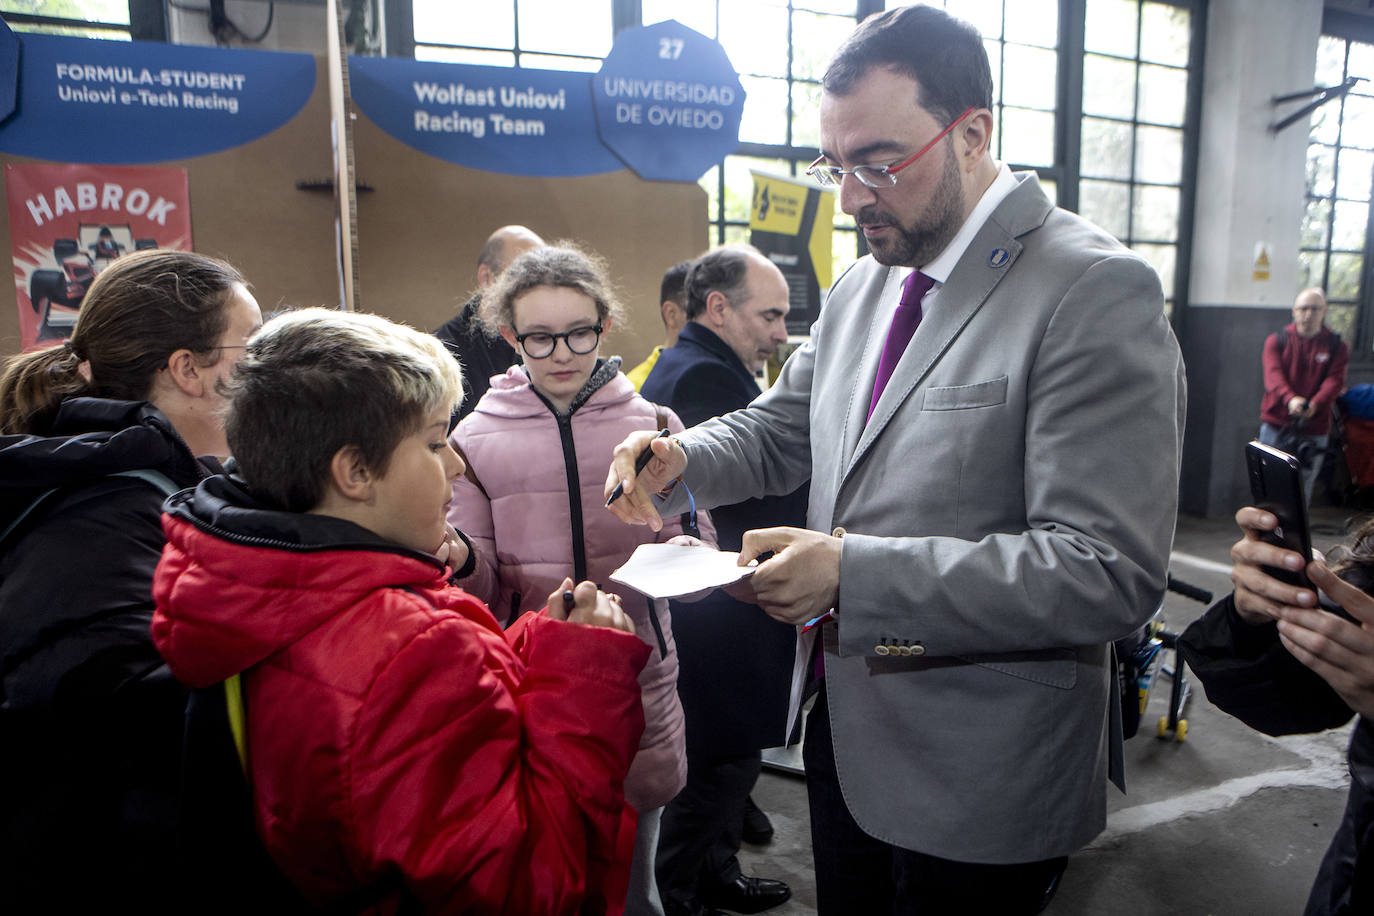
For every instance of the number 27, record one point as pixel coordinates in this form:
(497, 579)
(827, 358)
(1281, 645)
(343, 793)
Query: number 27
(670, 48)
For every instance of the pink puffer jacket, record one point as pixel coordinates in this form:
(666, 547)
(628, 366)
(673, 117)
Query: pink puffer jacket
(532, 516)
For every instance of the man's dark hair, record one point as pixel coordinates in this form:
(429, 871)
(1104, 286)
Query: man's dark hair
(674, 285)
(943, 54)
(725, 270)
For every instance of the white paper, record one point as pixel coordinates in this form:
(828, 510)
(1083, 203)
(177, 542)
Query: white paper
(801, 674)
(670, 570)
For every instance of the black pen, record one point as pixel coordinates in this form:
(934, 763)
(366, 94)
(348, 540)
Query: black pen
(568, 601)
(640, 464)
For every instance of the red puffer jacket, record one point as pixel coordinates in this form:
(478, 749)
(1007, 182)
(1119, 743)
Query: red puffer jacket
(392, 725)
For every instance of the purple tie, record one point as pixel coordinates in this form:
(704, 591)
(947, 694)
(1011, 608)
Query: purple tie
(904, 323)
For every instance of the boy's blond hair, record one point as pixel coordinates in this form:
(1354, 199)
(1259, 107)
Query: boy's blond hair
(316, 380)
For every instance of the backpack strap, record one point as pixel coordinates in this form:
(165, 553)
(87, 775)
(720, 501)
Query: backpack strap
(1331, 349)
(156, 478)
(233, 705)
(39, 500)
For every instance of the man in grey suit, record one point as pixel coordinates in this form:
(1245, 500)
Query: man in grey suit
(993, 446)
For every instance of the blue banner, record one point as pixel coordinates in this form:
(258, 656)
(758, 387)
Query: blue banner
(668, 101)
(119, 102)
(9, 70)
(498, 119)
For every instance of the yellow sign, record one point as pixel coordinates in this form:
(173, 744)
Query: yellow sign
(1261, 269)
(780, 206)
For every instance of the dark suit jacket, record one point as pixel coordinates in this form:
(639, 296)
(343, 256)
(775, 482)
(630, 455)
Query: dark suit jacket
(735, 661)
(480, 354)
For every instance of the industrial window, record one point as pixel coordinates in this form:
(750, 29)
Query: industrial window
(107, 19)
(1097, 96)
(1340, 161)
(780, 49)
(540, 34)
(1022, 41)
(1135, 101)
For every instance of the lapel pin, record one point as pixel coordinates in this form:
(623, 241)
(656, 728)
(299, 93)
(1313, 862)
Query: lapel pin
(999, 257)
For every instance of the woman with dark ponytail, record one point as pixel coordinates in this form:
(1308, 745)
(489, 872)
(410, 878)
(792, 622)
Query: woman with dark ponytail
(90, 719)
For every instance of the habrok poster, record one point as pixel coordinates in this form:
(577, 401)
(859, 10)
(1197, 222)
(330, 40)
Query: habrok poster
(70, 222)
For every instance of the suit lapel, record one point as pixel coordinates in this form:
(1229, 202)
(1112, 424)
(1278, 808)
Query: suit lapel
(973, 280)
(867, 369)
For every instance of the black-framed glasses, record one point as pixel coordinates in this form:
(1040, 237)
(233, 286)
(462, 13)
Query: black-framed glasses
(875, 176)
(540, 344)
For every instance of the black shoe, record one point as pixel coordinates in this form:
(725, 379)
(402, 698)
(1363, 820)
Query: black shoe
(745, 894)
(1051, 888)
(757, 828)
(694, 908)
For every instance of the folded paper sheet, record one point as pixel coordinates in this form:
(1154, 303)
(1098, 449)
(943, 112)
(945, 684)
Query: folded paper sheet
(670, 570)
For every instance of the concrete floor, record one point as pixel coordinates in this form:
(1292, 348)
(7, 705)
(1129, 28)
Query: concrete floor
(1227, 822)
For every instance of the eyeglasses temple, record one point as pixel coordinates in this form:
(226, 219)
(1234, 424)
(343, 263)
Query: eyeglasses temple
(894, 169)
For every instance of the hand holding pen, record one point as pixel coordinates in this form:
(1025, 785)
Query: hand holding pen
(641, 462)
(585, 604)
(642, 465)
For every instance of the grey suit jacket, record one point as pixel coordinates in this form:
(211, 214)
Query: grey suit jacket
(1010, 509)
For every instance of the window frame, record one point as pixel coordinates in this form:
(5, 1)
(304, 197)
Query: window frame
(1349, 27)
(1071, 196)
(401, 40)
(1065, 171)
(147, 22)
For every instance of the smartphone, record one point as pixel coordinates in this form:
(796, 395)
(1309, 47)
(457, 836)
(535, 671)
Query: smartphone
(1276, 487)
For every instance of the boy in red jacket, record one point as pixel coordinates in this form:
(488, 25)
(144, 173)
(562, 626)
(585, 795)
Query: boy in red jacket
(393, 728)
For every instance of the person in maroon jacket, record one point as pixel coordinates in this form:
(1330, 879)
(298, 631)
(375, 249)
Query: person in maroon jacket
(1304, 371)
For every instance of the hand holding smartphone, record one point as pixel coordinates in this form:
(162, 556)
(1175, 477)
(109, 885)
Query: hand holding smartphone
(1276, 487)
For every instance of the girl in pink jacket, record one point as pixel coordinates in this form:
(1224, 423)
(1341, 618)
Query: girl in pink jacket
(537, 447)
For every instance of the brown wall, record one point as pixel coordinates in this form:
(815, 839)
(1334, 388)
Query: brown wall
(420, 229)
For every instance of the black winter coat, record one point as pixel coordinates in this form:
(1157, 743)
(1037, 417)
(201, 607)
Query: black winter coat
(90, 718)
(1248, 673)
(481, 355)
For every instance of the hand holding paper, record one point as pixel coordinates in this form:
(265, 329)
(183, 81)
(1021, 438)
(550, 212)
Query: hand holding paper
(801, 580)
(673, 570)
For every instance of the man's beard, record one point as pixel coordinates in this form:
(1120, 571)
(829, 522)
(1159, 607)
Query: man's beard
(919, 244)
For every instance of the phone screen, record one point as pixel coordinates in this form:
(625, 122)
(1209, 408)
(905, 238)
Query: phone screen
(1276, 487)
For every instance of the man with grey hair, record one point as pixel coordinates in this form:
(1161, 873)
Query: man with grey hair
(483, 355)
(1304, 372)
(990, 414)
(737, 301)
